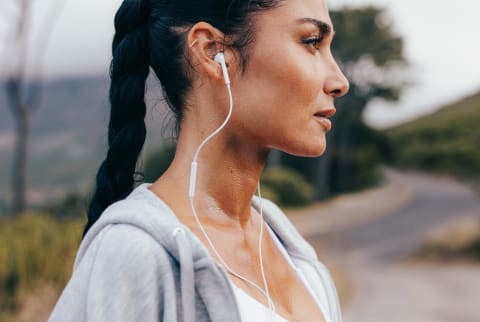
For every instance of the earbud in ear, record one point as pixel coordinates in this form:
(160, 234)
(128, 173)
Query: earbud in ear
(220, 58)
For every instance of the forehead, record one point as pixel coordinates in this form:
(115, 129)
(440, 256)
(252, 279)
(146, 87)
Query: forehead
(290, 11)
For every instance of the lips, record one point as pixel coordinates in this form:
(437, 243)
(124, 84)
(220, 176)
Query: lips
(327, 113)
(323, 116)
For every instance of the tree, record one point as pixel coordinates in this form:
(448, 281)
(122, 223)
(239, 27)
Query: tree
(23, 94)
(371, 56)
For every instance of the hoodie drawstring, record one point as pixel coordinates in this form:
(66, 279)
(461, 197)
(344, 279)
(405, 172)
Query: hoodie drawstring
(187, 285)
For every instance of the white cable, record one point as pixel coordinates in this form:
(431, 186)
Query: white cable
(193, 175)
(271, 305)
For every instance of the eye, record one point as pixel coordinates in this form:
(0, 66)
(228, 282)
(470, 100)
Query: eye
(313, 41)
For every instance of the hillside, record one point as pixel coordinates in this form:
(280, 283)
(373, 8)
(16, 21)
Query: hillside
(68, 138)
(446, 141)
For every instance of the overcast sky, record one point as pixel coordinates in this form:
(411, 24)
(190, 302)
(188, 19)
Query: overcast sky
(442, 43)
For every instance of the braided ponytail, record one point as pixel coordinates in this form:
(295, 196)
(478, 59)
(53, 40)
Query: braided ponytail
(126, 131)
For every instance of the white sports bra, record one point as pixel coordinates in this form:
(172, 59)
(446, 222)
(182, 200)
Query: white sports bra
(252, 310)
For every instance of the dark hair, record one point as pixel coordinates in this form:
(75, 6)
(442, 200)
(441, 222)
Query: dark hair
(151, 33)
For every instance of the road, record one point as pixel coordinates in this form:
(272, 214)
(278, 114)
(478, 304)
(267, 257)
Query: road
(389, 289)
(435, 201)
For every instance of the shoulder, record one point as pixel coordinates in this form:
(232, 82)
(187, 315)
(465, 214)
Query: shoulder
(130, 273)
(122, 276)
(135, 224)
(125, 243)
(126, 252)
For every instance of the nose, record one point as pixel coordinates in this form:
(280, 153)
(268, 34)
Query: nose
(336, 84)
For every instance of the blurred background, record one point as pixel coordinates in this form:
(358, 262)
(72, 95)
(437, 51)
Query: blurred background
(392, 207)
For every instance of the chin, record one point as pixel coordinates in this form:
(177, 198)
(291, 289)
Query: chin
(313, 150)
(317, 152)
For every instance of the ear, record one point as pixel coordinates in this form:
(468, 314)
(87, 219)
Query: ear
(204, 41)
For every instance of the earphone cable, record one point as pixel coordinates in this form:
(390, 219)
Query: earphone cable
(271, 305)
(265, 292)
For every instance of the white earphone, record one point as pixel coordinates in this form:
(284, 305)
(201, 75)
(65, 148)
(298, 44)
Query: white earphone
(220, 58)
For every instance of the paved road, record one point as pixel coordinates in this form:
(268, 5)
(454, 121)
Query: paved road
(434, 201)
(388, 290)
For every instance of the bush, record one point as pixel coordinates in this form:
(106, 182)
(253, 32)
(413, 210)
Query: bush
(365, 167)
(269, 194)
(443, 142)
(71, 205)
(289, 188)
(34, 250)
(473, 249)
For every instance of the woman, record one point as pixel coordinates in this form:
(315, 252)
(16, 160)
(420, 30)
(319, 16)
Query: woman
(166, 251)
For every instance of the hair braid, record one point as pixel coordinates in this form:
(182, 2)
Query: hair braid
(126, 131)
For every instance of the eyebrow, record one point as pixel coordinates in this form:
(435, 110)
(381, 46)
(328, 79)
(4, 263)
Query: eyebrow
(323, 27)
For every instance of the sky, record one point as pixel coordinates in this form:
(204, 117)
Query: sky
(441, 43)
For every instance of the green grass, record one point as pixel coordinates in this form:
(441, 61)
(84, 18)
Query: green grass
(35, 250)
(444, 142)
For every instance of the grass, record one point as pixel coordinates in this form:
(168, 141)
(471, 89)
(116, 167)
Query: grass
(455, 242)
(444, 142)
(37, 252)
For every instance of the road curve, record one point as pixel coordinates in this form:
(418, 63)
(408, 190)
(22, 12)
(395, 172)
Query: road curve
(434, 201)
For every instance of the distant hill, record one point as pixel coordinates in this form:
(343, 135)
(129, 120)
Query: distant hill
(68, 138)
(447, 141)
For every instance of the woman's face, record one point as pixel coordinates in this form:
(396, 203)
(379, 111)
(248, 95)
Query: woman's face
(290, 77)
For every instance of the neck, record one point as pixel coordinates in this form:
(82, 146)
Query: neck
(228, 172)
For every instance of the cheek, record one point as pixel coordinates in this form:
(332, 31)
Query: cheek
(292, 77)
(279, 90)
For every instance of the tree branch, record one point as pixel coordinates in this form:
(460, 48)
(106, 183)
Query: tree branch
(46, 31)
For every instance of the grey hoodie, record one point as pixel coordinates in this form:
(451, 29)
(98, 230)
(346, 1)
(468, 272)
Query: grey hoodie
(138, 262)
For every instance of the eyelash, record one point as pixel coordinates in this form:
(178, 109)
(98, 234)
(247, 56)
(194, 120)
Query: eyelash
(313, 41)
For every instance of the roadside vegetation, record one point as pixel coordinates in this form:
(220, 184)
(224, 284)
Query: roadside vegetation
(37, 252)
(445, 142)
(455, 242)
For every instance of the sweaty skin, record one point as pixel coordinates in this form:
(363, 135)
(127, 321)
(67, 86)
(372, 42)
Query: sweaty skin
(285, 83)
